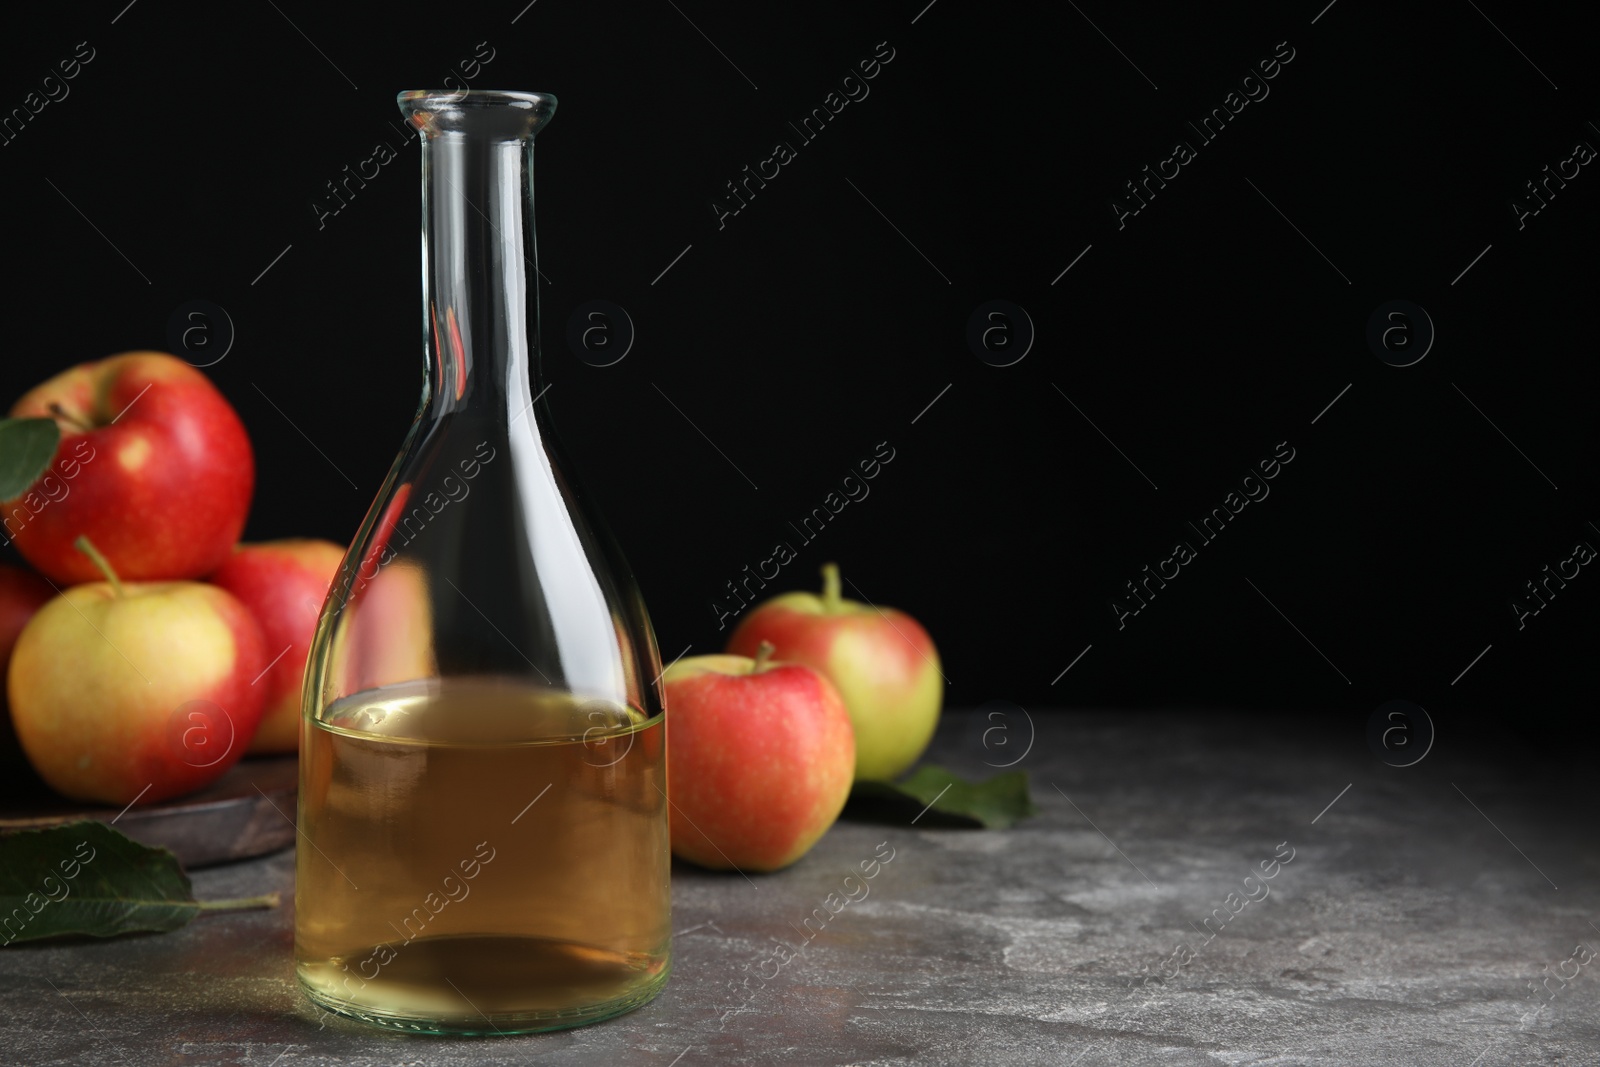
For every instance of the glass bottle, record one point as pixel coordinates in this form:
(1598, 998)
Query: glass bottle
(483, 808)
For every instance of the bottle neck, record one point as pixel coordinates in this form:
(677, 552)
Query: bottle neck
(481, 303)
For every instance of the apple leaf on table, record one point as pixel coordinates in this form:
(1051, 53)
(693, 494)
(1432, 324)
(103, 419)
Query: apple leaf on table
(87, 879)
(945, 799)
(26, 446)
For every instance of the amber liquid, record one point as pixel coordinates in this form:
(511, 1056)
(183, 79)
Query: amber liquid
(481, 857)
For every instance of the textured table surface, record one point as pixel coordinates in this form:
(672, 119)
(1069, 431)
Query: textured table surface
(1407, 927)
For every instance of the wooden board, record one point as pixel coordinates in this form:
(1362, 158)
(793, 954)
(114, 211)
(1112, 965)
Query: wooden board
(247, 812)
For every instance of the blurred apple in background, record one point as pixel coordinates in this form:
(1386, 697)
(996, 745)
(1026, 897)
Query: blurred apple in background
(153, 466)
(386, 633)
(759, 757)
(119, 686)
(21, 594)
(881, 660)
(283, 583)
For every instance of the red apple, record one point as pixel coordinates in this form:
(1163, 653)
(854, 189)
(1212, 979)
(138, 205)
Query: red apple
(283, 583)
(136, 690)
(881, 660)
(759, 756)
(386, 634)
(153, 466)
(21, 594)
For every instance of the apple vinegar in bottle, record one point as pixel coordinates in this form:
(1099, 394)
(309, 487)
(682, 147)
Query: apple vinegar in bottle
(483, 814)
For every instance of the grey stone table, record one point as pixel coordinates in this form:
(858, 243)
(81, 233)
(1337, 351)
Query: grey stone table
(1408, 912)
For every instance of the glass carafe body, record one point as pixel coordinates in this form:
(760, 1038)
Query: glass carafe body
(482, 809)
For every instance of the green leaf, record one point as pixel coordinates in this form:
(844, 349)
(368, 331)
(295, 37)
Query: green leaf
(943, 799)
(86, 878)
(26, 448)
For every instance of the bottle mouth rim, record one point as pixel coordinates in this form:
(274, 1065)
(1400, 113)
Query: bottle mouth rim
(498, 114)
(437, 99)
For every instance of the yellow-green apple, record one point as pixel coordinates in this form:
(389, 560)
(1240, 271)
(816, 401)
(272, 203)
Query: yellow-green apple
(882, 661)
(21, 594)
(283, 583)
(153, 466)
(136, 690)
(759, 756)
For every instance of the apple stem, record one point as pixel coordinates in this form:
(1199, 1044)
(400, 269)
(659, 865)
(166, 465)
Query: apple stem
(84, 545)
(763, 653)
(67, 417)
(830, 588)
(270, 900)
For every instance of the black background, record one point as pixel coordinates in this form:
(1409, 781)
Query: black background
(809, 329)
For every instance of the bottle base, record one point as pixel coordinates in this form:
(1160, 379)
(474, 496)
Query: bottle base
(470, 1024)
(484, 985)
